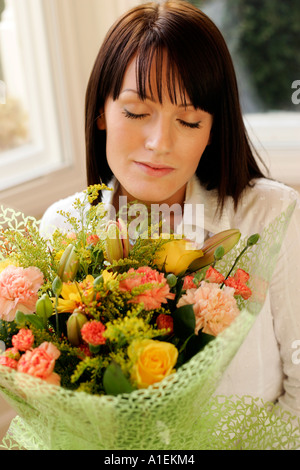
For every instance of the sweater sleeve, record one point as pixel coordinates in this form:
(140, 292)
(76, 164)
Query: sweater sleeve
(285, 305)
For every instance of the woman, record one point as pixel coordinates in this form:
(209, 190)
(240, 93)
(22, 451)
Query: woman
(164, 125)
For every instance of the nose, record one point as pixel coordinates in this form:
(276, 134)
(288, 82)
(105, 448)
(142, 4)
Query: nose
(159, 138)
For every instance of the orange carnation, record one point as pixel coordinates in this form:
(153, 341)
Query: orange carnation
(212, 275)
(152, 297)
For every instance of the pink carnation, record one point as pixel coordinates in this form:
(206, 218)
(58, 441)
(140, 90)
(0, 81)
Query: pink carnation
(153, 297)
(92, 333)
(13, 353)
(38, 363)
(23, 340)
(53, 379)
(70, 236)
(19, 290)
(8, 362)
(50, 349)
(214, 308)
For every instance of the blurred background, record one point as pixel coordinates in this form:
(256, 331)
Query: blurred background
(47, 50)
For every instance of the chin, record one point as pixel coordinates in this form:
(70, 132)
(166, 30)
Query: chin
(151, 198)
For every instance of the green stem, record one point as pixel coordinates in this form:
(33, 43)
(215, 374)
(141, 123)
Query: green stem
(56, 316)
(185, 343)
(235, 263)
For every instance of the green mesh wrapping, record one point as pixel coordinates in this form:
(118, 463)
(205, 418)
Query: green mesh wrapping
(178, 413)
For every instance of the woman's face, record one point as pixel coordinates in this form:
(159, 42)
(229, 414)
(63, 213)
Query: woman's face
(153, 149)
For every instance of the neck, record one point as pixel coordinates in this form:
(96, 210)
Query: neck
(171, 210)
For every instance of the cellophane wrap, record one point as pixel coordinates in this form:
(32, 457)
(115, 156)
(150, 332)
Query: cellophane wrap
(180, 412)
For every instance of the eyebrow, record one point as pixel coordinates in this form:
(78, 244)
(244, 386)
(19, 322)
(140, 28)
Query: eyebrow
(151, 99)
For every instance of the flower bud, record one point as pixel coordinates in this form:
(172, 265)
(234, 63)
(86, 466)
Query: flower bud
(253, 239)
(74, 325)
(99, 281)
(57, 286)
(219, 253)
(44, 308)
(171, 280)
(69, 264)
(117, 242)
(227, 239)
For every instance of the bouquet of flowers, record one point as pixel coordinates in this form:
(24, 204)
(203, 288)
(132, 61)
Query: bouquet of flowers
(111, 344)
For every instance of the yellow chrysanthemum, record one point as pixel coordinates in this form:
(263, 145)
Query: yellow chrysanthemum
(108, 276)
(75, 295)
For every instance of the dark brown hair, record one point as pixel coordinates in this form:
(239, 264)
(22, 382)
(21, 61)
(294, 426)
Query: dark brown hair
(199, 61)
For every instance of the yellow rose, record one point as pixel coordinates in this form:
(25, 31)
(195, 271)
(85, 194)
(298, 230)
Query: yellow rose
(153, 361)
(175, 256)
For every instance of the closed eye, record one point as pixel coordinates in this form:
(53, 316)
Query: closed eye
(130, 115)
(191, 125)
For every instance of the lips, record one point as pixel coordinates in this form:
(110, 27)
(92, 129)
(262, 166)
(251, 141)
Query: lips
(154, 169)
(157, 166)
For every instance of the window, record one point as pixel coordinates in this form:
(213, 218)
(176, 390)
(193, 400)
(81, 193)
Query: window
(38, 158)
(263, 38)
(29, 143)
(55, 44)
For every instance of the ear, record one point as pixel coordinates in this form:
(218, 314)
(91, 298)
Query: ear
(101, 124)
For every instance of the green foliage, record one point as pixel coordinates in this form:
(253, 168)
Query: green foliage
(197, 3)
(269, 45)
(264, 35)
(90, 373)
(7, 330)
(184, 321)
(33, 320)
(28, 248)
(114, 380)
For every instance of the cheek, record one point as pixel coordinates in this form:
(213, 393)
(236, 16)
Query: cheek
(197, 147)
(115, 146)
(120, 139)
(193, 154)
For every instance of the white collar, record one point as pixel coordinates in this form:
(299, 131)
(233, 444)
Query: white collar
(209, 224)
(197, 194)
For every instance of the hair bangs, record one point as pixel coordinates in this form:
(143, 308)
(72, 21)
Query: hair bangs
(165, 59)
(160, 65)
(155, 69)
